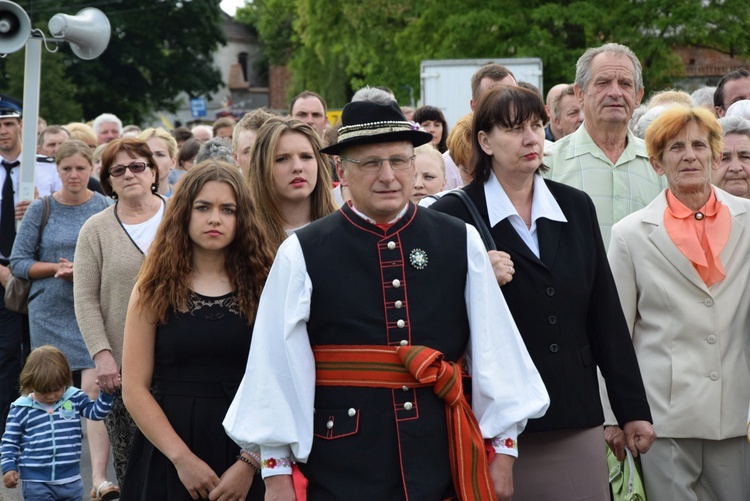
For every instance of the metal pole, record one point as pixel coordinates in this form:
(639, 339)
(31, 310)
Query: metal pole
(32, 74)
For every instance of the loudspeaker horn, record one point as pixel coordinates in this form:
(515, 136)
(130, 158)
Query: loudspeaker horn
(87, 32)
(15, 27)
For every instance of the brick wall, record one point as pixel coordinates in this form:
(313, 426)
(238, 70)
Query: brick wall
(278, 82)
(700, 62)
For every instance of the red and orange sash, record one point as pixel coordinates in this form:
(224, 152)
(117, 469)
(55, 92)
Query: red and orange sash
(416, 366)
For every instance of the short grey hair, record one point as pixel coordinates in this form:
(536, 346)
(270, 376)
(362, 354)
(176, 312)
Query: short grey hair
(131, 129)
(107, 118)
(651, 114)
(373, 95)
(583, 66)
(203, 127)
(51, 129)
(567, 91)
(218, 148)
(739, 108)
(735, 125)
(704, 97)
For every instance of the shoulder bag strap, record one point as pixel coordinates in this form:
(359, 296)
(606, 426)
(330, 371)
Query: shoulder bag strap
(479, 223)
(45, 217)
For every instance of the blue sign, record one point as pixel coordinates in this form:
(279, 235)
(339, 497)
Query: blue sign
(198, 107)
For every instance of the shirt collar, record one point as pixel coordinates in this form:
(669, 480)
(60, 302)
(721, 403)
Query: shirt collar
(543, 204)
(582, 144)
(11, 161)
(372, 221)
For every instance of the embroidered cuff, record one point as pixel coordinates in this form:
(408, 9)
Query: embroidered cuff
(505, 445)
(275, 461)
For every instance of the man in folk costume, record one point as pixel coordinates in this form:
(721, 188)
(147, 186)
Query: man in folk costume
(367, 318)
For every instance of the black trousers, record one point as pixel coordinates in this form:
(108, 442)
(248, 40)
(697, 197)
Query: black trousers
(14, 348)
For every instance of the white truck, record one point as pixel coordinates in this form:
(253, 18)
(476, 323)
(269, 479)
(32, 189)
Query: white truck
(446, 83)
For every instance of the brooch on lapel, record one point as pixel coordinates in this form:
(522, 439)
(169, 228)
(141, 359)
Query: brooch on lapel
(418, 258)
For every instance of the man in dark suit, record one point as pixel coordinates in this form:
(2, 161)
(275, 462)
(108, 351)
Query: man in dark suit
(14, 331)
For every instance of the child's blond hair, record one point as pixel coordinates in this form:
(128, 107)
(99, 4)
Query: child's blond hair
(46, 370)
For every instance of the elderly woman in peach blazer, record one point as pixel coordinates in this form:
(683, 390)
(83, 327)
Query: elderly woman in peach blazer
(682, 266)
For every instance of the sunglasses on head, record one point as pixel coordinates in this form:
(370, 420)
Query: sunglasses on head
(119, 170)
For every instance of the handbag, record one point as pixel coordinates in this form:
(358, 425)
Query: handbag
(477, 220)
(17, 289)
(625, 477)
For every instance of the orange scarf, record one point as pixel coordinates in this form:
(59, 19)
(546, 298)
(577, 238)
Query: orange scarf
(416, 366)
(701, 235)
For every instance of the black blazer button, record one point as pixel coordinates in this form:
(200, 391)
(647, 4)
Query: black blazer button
(552, 319)
(554, 348)
(550, 291)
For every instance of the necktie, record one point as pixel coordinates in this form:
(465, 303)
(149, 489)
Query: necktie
(7, 212)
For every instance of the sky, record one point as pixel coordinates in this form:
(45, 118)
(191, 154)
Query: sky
(229, 6)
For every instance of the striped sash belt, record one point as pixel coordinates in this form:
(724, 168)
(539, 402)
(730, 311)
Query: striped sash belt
(416, 366)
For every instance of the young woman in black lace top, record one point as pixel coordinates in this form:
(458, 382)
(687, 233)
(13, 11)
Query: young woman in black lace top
(187, 338)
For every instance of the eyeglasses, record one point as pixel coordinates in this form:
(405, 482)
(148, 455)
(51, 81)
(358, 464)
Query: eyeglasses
(374, 164)
(119, 170)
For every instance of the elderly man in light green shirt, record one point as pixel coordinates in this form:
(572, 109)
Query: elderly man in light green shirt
(603, 158)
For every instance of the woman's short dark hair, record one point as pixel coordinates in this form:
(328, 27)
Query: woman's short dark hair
(134, 148)
(188, 150)
(506, 107)
(432, 113)
(181, 134)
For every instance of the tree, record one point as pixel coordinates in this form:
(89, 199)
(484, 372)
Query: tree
(55, 104)
(337, 44)
(158, 49)
(273, 20)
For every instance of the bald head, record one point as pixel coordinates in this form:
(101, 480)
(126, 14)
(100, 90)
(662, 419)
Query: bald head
(553, 94)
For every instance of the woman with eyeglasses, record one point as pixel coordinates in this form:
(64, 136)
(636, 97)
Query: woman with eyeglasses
(289, 178)
(111, 248)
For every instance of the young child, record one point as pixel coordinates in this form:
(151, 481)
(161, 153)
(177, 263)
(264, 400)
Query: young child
(42, 439)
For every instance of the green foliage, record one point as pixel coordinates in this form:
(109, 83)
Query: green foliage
(55, 104)
(158, 49)
(336, 46)
(273, 20)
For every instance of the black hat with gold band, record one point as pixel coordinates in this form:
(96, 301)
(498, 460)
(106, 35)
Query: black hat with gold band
(365, 122)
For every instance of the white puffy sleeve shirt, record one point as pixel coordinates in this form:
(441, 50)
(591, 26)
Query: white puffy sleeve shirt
(274, 405)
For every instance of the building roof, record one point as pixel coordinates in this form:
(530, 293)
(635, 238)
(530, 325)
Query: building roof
(238, 32)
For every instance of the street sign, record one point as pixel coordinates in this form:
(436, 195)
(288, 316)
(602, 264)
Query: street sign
(198, 107)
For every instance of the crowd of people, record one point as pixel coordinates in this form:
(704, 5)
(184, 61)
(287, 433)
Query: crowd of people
(391, 306)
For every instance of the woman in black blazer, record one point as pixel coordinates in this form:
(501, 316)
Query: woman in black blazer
(563, 299)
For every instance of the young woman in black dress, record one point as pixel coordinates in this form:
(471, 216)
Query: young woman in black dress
(187, 337)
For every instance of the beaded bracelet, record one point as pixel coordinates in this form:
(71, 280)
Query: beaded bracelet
(242, 458)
